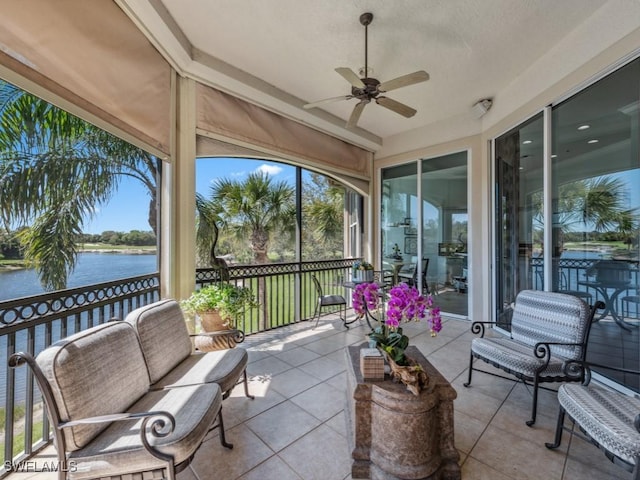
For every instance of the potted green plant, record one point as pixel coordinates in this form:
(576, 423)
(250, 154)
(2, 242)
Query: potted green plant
(219, 305)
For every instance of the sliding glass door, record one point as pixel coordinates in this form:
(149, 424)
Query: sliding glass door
(589, 243)
(424, 225)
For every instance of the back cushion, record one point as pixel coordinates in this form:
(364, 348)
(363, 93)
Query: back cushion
(163, 335)
(98, 371)
(551, 317)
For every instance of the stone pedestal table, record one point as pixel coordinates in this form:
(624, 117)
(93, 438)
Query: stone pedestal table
(394, 434)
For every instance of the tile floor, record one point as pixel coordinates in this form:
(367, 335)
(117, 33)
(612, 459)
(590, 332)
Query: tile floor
(295, 427)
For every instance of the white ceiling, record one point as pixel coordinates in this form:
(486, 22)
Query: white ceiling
(282, 54)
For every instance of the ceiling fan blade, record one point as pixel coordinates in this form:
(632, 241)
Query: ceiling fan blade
(404, 81)
(350, 76)
(326, 100)
(395, 106)
(355, 114)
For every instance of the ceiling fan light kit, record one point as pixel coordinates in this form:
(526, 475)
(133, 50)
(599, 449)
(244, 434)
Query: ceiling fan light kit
(366, 88)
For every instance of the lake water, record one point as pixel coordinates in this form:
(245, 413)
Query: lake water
(91, 268)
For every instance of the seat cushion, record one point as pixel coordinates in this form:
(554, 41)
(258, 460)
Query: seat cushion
(87, 373)
(119, 450)
(223, 367)
(330, 300)
(514, 357)
(163, 335)
(606, 416)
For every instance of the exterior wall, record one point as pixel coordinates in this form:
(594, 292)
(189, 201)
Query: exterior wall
(544, 83)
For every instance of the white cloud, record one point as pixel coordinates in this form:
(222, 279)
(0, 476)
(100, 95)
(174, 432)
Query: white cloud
(269, 169)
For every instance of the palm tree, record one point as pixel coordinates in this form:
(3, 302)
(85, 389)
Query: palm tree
(253, 209)
(595, 201)
(323, 207)
(55, 170)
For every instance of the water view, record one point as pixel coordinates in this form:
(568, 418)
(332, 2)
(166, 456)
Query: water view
(91, 268)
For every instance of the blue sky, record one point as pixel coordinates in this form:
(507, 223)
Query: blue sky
(128, 209)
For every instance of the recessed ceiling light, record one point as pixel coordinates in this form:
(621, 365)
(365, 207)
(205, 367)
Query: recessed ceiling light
(593, 141)
(584, 127)
(526, 142)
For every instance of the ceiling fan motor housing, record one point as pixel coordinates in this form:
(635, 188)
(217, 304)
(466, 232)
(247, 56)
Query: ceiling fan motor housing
(369, 91)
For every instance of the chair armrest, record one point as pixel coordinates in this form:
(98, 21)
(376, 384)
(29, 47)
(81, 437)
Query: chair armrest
(542, 350)
(236, 334)
(582, 369)
(477, 327)
(162, 424)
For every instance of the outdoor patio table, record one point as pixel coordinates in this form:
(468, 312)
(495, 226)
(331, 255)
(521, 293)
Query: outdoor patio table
(368, 316)
(610, 300)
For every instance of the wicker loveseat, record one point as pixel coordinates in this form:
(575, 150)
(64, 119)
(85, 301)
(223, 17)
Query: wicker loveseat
(547, 330)
(131, 396)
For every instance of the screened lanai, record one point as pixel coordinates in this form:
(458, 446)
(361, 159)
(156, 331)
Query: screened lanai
(216, 79)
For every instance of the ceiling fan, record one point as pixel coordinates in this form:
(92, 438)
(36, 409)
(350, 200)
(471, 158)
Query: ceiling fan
(367, 89)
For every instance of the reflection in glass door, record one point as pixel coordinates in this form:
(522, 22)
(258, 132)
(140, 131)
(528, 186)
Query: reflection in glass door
(424, 228)
(445, 243)
(519, 215)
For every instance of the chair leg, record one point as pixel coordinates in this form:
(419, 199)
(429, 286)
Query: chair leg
(534, 408)
(223, 439)
(246, 386)
(559, 427)
(470, 370)
(316, 313)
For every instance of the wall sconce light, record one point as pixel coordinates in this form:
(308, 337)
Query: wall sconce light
(481, 107)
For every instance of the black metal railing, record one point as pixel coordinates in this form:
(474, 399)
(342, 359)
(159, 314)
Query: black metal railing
(31, 324)
(285, 290)
(572, 274)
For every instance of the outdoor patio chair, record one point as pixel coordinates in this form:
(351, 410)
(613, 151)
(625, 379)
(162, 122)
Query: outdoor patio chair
(328, 301)
(608, 419)
(411, 278)
(547, 330)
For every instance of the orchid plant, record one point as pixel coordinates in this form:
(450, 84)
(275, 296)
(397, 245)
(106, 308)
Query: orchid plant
(405, 304)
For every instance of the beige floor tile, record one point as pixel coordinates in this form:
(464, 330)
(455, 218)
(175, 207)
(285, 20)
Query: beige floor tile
(475, 403)
(323, 368)
(585, 460)
(322, 401)
(322, 454)
(338, 423)
(472, 469)
(339, 381)
(248, 451)
(297, 356)
(467, 431)
(267, 367)
(282, 425)
(293, 382)
(237, 409)
(517, 458)
(274, 468)
(327, 345)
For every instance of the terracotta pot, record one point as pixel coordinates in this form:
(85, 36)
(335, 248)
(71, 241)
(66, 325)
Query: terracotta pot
(213, 322)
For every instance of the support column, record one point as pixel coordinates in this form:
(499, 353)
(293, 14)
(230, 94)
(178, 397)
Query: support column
(178, 199)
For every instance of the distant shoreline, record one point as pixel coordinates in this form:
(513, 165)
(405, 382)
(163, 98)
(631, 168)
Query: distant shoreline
(125, 251)
(17, 265)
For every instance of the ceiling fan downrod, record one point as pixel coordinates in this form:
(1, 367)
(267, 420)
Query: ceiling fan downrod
(366, 19)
